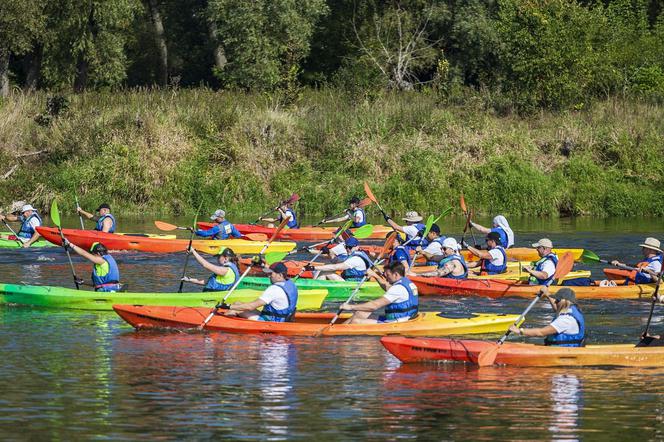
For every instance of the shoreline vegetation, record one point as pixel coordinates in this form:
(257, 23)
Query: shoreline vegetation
(168, 150)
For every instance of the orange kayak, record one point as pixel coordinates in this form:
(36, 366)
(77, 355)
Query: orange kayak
(493, 288)
(112, 241)
(466, 350)
(311, 324)
(306, 233)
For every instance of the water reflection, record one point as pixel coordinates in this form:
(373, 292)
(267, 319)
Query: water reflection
(566, 398)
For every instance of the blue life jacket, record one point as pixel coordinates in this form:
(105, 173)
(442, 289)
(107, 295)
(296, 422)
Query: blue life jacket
(270, 313)
(292, 223)
(225, 230)
(439, 240)
(110, 281)
(405, 309)
(645, 278)
(455, 257)
(565, 340)
(539, 266)
(213, 283)
(399, 254)
(503, 236)
(364, 218)
(27, 230)
(356, 274)
(415, 242)
(491, 269)
(100, 223)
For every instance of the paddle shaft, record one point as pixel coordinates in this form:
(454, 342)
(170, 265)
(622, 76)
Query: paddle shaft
(352, 295)
(652, 305)
(521, 318)
(80, 218)
(18, 240)
(186, 260)
(330, 242)
(71, 264)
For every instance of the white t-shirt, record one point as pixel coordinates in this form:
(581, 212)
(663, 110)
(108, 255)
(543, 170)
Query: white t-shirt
(276, 297)
(566, 324)
(411, 231)
(655, 266)
(398, 293)
(549, 267)
(358, 216)
(339, 249)
(434, 248)
(34, 222)
(355, 262)
(497, 258)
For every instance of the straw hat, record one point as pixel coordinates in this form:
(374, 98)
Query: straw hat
(412, 217)
(652, 244)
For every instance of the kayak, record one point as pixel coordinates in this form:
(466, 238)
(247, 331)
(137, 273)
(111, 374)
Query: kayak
(337, 290)
(311, 324)
(85, 239)
(61, 297)
(467, 350)
(497, 289)
(9, 241)
(306, 233)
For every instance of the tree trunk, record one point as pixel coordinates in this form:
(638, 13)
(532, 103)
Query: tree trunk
(81, 80)
(4, 72)
(160, 40)
(34, 68)
(220, 59)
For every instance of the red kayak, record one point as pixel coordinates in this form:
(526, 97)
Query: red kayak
(306, 233)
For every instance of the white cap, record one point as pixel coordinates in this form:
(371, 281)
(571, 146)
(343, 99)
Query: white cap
(544, 242)
(27, 207)
(450, 243)
(218, 214)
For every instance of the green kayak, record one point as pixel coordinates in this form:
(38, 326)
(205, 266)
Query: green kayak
(61, 297)
(9, 241)
(338, 290)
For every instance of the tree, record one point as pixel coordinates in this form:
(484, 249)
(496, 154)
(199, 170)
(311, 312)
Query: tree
(152, 7)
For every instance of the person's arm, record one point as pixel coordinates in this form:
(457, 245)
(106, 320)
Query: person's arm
(382, 282)
(541, 332)
(9, 217)
(539, 274)
(217, 270)
(337, 220)
(193, 280)
(357, 218)
(482, 254)
(370, 306)
(88, 215)
(333, 267)
(106, 225)
(209, 232)
(235, 233)
(96, 259)
(269, 220)
(394, 225)
(246, 306)
(35, 236)
(480, 228)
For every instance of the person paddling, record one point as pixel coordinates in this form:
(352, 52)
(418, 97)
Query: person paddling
(354, 213)
(492, 261)
(501, 227)
(651, 267)
(545, 268)
(105, 220)
(105, 271)
(30, 220)
(567, 329)
(285, 212)
(400, 300)
(453, 265)
(223, 230)
(279, 300)
(224, 275)
(401, 254)
(433, 250)
(352, 268)
(412, 229)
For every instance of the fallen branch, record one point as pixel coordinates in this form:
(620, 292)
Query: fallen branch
(10, 171)
(29, 154)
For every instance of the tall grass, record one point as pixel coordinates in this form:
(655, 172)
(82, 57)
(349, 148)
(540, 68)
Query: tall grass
(167, 151)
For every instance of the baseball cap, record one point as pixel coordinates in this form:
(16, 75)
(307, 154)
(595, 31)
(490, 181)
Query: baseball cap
(218, 214)
(435, 229)
(494, 237)
(103, 206)
(354, 200)
(352, 242)
(544, 242)
(277, 267)
(27, 207)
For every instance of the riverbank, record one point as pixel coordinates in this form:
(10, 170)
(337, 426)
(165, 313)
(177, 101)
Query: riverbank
(168, 151)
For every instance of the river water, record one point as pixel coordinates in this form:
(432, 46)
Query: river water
(87, 375)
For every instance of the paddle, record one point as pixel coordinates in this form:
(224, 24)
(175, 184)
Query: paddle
(16, 237)
(79, 213)
(360, 233)
(362, 204)
(55, 216)
(589, 256)
(191, 239)
(237, 283)
(167, 227)
(464, 209)
(488, 356)
(293, 198)
(341, 230)
(372, 197)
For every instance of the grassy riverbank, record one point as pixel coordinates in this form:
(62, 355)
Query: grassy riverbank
(167, 151)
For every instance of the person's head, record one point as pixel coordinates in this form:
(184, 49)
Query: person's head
(278, 272)
(543, 246)
(492, 240)
(104, 209)
(27, 210)
(352, 244)
(394, 271)
(412, 217)
(218, 216)
(354, 203)
(450, 246)
(227, 255)
(98, 248)
(499, 221)
(564, 298)
(650, 247)
(434, 232)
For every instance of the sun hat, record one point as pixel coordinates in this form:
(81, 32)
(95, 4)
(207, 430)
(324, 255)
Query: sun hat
(565, 293)
(352, 242)
(544, 242)
(652, 244)
(450, 243)
(103, 206)
(27, 207)
(412, 217)
(277, 267)
(493, 236)
(218, 214)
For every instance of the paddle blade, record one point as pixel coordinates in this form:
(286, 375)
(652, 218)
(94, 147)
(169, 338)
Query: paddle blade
(255, 236)
(462, 203)
(293, 198)
(369, 193)
(279, 229)
(166, 227)
(589, 256)
(488, 357)
(565, 265)
(364, 203)
(364, 232)
(272, 257)
(389, 242)
(427, 226)
(55, 214)
(444, 214)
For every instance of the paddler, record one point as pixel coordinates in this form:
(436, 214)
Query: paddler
(279, 301)
(651, 267)
(337, 252)
(453, 265)
(433, 250)
(401, 254)
(222, 230)
(30, 220)
(400, 299)
(354, 213)
(105, 271)
(545, 268)
(567, 329)
(493, 260)
(353, 268)
(413, 228)
(501, 227)
(224, 275)
(285, 212)
(105, 220)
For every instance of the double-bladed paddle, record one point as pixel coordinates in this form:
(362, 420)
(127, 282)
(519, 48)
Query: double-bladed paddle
(293, 198)
(16, 237)
(488, 356)
(55, 216)
(469, 215)
(78, 206)
(167, 227)
(362, 204)
(191, 239)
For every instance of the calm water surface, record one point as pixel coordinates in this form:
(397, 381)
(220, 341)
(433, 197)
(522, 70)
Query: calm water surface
(81, 375)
